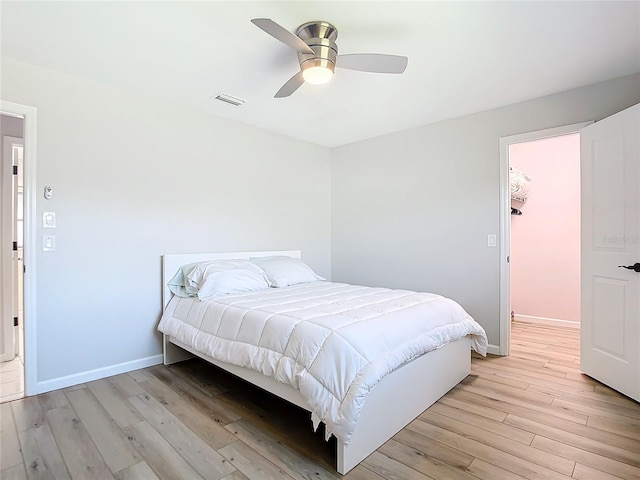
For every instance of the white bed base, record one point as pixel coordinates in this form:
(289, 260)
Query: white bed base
(388, 407)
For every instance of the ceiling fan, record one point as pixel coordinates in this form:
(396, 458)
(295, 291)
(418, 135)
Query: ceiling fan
(318, 54)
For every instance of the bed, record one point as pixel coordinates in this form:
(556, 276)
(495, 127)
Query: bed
(359, 415)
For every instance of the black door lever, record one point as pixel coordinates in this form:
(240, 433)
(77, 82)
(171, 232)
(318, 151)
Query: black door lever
(635, 267)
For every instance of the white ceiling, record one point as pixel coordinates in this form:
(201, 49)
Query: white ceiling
(464, 57)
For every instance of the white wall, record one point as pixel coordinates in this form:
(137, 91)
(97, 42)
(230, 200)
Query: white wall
(413, 209)
(134, 178)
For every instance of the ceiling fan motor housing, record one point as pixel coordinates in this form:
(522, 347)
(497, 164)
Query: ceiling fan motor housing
(320, 36)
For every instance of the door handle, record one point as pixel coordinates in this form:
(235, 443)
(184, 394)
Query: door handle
(635, 267)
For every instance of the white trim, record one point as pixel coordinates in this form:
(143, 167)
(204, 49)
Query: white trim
(558, 322)
(505, 220)
(98, 373)
(493, 349)
(29, 116)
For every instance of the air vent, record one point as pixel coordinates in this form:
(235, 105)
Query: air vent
(231, 100)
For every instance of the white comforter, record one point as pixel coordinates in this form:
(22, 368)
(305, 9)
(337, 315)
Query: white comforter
(333, 342)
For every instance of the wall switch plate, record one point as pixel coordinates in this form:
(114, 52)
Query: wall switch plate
(48, 243)
(48, 219)
(491, 240)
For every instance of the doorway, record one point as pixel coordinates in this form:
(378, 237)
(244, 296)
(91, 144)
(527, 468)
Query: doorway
(545, 231)
(507, 146)
(11, 259)
(28, 115)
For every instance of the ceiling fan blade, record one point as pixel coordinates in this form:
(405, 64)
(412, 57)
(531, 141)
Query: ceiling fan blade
(373, 62)
(293, 84)
(280, 33)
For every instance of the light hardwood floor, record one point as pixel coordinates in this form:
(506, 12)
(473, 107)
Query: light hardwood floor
(11, 380)
(12, 372)
(531, 415)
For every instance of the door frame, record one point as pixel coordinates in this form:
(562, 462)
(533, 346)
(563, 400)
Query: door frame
(29, 117)
(505, 221)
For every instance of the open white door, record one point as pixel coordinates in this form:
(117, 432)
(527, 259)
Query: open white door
(7, 254)
(610, 329)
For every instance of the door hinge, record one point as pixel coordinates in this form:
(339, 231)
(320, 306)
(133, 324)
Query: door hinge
(15, 321)
(15, 169)
(15, 246)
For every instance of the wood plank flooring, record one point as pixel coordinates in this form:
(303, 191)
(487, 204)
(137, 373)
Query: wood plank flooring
(11, 380)
(532, 415)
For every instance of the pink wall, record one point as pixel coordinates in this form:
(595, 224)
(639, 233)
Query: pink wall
(545, 239)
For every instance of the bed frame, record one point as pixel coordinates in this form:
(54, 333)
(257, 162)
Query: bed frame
(388, 407)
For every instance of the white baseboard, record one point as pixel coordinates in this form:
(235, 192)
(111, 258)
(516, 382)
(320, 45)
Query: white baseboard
(493, 349)
(546, 321)
(96, 374)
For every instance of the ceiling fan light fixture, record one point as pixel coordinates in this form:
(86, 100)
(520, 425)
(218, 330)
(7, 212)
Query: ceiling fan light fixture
(318, 53)
(317, 70)
(317, 75)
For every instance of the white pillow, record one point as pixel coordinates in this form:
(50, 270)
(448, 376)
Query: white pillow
(235, 280)
(197, 275)
(179, 285)
(284, 271)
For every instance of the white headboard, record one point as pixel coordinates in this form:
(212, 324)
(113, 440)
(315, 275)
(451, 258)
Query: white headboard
(173, 261)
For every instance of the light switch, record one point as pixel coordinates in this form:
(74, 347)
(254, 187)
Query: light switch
(48, 243)
(491, 240)
(49, 219)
